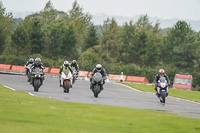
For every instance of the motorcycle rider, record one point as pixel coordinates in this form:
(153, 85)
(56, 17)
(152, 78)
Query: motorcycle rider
(75, 66)
(64, 67)
(36, 64)
(101, 70)
(31, 61)
(161, 72)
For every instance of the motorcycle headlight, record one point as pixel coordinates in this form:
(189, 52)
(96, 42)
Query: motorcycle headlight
(63, 76)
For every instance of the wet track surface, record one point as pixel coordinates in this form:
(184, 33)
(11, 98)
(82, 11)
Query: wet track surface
(114, 94)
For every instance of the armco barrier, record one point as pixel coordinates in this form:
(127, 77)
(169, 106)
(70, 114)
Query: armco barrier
(54, 70)
(47, 70)
(89, 73)
(137, 79)
(5, 66)
(82, 73)
(116, 77)
(18, 68)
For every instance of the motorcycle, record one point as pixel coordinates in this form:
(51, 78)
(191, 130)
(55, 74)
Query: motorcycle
(75, 75)
(97, 81)
(162, 89)
(37, 78)
(66, 81)
(28, 68)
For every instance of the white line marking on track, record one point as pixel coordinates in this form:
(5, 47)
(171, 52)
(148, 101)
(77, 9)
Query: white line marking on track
(15, 90)
(30, 94)
(185, 100)
(9, 87)
(129, 87)
(154, 93)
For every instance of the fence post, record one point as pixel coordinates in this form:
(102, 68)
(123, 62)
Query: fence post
(121, 77)
(85, 77)
(107, 78)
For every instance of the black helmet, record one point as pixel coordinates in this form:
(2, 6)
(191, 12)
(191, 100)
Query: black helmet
(98, 66)
(37, 61)
(66, 63)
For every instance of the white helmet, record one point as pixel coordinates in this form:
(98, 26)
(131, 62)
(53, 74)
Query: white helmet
(31, 60)
(37, 61)
(98, 66)
(161, 72)
(66, 63)
(74, 62)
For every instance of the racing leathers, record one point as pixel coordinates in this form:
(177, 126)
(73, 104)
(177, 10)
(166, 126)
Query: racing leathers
(41, 66)
(76, 67)
(103, 73)
(62, 69)
(27, 64)
(157, 77)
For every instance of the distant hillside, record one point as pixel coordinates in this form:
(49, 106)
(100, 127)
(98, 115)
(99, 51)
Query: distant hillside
(164, 23)
(99, 18)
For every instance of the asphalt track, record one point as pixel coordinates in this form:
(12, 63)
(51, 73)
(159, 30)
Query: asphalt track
(114, 94)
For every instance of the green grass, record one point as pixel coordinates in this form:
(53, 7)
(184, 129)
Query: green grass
(184, 94)
(22, 113)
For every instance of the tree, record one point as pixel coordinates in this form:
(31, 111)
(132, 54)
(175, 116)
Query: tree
(36, 37)
(181, 47)
(5, 26)
(111, 41)
(54, 38)
(91, 38)
(68, 47)
(128, 37)
(154, 43)
(20, 41)
(80, 22)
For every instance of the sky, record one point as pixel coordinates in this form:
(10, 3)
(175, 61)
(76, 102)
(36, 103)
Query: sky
(165, 9)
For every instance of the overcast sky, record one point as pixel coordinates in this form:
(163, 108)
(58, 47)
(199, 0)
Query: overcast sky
(166, 9)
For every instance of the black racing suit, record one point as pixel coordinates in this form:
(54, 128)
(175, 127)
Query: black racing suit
(103, 73)
(157, 77)
(41, 66)
(76, 67)
(27, 63)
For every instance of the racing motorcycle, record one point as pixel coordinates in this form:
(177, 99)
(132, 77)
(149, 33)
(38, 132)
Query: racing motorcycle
(75, 75)
(37, 76)
(162, 89)
(28, 68)
(66, 81)
(97, 81)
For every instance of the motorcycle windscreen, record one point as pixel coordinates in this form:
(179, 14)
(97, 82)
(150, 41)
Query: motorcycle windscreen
(37, 71)
(97, 77)
(66, 73)
(162, 79)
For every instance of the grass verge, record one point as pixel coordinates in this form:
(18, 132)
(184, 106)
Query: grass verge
(184, 94)
(22, 113)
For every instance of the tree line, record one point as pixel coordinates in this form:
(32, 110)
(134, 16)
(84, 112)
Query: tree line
(138, 49)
